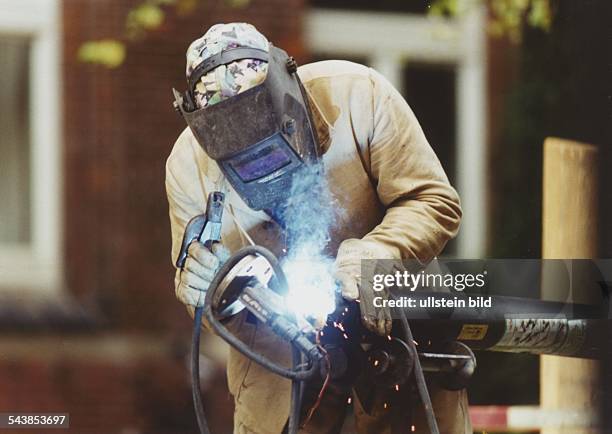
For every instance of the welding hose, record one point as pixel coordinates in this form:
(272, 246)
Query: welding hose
(296, 374)
(419, 376)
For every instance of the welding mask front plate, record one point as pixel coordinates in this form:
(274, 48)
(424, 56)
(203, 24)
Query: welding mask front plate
(261, 137)
(261, 170)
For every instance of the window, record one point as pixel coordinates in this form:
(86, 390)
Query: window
(30, 193)
(15, 140)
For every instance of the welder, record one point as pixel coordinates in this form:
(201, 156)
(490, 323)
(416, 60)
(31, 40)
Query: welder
(255, 123)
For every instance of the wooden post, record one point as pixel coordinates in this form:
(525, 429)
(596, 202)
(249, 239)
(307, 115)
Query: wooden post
(569, 231)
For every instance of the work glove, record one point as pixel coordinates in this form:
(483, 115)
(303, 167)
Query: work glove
(200, 268)
(348, 273)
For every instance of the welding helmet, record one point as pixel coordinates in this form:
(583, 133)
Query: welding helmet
(261, 137)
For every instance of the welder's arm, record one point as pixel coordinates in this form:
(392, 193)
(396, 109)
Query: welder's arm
(422, 209)
(192, 281)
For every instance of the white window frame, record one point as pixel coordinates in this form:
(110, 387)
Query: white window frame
(389, 40)
(38, 264)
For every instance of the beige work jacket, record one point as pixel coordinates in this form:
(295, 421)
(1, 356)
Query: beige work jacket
(388, 183)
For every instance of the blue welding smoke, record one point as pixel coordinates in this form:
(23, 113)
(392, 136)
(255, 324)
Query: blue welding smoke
(309, 216)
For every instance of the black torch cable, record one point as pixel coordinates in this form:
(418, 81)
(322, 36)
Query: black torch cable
(419, 376)
(195, 372)
(296, 392)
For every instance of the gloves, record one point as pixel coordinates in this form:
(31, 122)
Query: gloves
(200, 268)
(348, 273)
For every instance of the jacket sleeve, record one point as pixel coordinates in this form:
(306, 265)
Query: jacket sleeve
(185, 194)
(180, 209)
(422, 209)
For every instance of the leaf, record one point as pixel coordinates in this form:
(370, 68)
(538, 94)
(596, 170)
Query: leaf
(540, 15)
(443, 8)
(106, 52)
(507, 16)
(147, 16)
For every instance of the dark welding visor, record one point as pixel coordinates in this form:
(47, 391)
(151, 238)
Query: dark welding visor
(260, 137)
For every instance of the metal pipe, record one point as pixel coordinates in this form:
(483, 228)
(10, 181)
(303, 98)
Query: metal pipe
(570, 338)
(512, 324)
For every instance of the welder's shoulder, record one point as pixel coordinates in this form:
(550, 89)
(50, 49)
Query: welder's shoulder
(341, 74)
(186, 162)
(334, 75)
(347, 85)
(332, 68)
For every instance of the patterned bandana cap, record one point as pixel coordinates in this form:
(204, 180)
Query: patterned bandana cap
(228, 80)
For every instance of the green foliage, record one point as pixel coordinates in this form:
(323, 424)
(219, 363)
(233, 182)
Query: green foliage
(508, 17)
(511, 15)
(147, 16)
(444, 8)
(106, 52)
